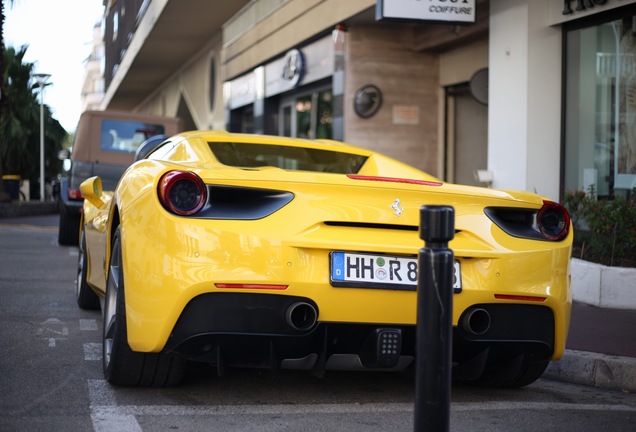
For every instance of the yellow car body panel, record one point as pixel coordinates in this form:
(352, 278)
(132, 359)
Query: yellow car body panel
(170, 260)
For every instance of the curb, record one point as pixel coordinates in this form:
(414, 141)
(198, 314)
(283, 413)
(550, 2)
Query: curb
(592, 369)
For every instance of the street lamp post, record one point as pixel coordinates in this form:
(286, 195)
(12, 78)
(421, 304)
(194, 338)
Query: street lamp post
(41, 78)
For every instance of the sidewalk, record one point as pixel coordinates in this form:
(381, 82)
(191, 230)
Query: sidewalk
(600, 349)
(27, 208)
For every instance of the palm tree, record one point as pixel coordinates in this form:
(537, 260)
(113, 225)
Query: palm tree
(4, 196)
(20, 119)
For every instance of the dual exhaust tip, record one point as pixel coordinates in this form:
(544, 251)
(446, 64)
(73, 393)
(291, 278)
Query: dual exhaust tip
(476, 321)
(301, 316)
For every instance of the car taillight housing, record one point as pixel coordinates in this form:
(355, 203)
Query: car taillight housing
(550, 223)
(553, 221)
(75, 194)
(182, 192)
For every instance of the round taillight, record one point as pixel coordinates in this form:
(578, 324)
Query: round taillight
(182, 192)
(553, 221)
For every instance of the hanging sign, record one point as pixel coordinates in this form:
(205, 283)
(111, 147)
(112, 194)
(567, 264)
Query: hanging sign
(449, 11)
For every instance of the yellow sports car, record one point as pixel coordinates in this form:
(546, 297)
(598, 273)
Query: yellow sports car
(261, 251)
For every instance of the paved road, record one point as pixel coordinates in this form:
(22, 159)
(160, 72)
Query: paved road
(51, 376)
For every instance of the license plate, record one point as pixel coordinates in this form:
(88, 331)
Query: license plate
(361, 270)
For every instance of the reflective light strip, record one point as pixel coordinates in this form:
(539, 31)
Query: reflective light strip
(519, 297)
(251, 286)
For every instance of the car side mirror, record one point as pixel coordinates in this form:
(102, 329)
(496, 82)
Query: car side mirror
(91, 190)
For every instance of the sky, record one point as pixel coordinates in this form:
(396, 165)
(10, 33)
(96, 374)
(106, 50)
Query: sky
(59, 34)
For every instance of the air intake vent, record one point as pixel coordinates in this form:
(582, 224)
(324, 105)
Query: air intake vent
(374, 226)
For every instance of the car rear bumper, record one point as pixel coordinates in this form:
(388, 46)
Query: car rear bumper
(260, 330)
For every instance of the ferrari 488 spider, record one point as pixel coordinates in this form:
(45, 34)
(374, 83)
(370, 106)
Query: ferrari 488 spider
(260, 251)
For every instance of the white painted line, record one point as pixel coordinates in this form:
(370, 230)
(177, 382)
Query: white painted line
(92, 351)
(88, 324)
(73, 252)
(109, 417)
(238, 410)
(115, 422)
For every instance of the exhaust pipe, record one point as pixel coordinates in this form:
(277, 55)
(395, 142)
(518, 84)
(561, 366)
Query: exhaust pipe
(301, 316)
(476, 322)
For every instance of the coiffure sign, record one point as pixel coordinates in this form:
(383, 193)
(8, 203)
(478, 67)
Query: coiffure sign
(451, 11)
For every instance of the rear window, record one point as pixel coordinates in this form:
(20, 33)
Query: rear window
(125, 136)
(288, 158)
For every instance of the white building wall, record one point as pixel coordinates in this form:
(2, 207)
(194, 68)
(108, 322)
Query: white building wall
(524, 97)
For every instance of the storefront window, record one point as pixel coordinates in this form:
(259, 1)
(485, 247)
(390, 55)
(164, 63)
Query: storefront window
(308, 116)
(600, 128)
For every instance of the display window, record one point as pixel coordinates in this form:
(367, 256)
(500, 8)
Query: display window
(600, 105)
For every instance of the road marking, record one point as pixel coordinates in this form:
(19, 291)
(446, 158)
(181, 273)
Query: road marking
(29, 227)
(108, 417)
(52, 329)
(88, 324)
(235, 410)
(92, 351)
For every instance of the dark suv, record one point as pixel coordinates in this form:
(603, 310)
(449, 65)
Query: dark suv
(105, 145)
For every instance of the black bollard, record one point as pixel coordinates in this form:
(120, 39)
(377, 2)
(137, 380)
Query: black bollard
(434, 320)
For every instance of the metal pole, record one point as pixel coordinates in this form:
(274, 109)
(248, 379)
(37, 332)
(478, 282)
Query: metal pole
(41, 78)
(434, 320)
(41, 142)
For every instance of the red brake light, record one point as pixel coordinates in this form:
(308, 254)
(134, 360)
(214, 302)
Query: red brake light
(394, 180)
(553, 221)
(182, 192)
(74, 194)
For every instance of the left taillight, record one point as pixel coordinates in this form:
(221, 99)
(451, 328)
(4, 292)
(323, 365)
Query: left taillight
(553, 221)
(182, 192)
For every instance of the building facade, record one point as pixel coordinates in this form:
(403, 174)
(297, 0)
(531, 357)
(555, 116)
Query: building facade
(534, 95)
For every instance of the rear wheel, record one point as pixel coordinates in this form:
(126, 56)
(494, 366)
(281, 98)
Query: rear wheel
(86, 297)
(122, 365)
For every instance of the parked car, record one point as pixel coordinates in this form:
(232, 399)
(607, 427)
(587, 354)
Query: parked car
(104, 145)
(259, 251)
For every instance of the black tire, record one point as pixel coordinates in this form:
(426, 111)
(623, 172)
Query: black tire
(86, 297)
(68, 233)
(123, 366)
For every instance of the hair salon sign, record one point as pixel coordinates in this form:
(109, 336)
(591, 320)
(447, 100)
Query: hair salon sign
(451, 11)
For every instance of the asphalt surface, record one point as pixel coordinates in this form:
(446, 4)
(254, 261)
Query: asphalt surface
(600, 349)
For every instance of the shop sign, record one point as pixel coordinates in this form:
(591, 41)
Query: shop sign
(242, 91)
(561, 11)
(448, 11)
(292, 67)
(300, 66)
(581, 5)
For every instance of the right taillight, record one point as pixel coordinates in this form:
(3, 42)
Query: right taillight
(553, 221)
(182, 192)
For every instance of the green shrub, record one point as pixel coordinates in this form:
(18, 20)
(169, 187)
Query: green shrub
(604, 230)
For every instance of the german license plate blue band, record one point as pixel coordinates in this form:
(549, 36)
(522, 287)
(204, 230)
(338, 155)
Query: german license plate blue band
(361, 270)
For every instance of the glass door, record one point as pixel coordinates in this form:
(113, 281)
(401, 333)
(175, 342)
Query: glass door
(307, 115)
